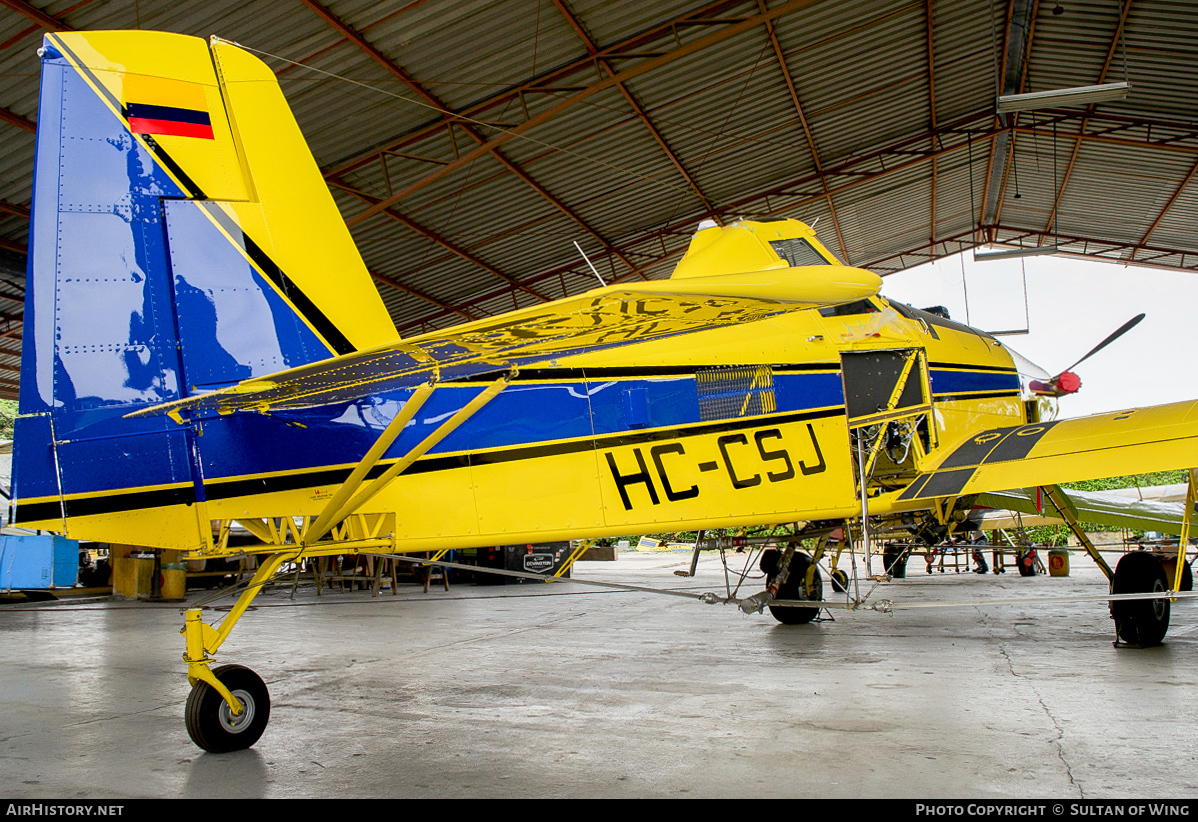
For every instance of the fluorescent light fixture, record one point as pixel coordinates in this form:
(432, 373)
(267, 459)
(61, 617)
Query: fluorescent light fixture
(1078, 96)
(1012, 253)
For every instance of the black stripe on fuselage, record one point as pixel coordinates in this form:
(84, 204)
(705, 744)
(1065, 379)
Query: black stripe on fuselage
(233, 488)
(624, 372)
(961, 366)
(107, 504)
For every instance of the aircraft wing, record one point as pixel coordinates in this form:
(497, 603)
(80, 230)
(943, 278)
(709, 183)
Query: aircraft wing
(1137, 441)
(1098, 507)
(600, 319)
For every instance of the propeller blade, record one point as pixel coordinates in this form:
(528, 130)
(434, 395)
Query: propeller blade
(1123, 329)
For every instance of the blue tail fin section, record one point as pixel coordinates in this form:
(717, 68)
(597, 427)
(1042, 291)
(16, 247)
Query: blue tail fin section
(152, 275)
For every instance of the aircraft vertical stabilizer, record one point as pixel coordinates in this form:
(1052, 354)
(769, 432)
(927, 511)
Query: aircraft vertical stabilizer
(182, 240)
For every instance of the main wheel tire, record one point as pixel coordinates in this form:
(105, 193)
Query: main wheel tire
(1187, 578)
(840, 580)
(794, 588)
(1026, 562)
(212, 725)
(1141, 622)
(895, 560)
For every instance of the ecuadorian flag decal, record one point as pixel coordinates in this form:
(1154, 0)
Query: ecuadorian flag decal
(155, 105)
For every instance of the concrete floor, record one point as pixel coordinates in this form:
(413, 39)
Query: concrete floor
(565, 691)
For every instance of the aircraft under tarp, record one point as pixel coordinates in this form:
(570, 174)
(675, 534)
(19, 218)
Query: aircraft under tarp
(1110, 508)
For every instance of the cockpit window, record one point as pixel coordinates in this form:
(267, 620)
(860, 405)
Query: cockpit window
(859, 307)
(798, 252)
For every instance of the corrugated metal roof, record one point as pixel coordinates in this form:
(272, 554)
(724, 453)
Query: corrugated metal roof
(628, 171)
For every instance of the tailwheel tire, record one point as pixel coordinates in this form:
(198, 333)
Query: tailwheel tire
(213, 726)
(1141, 622)
(794, 588)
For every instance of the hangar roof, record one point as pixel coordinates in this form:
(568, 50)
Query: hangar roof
(469, 143)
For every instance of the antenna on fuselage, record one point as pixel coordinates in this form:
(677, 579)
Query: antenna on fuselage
(592, 265)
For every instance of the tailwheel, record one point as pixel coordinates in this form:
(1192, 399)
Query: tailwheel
(1140, 622)
(212, 724)
(795, 588)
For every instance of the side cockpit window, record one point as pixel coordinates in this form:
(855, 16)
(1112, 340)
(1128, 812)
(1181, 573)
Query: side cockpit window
(798, 252)
(849, 309)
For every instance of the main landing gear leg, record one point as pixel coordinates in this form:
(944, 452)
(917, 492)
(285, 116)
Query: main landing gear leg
(228, 708)
(1139, 623)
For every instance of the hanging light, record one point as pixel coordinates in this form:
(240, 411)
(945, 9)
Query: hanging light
(1077, 96)
(1012, 253)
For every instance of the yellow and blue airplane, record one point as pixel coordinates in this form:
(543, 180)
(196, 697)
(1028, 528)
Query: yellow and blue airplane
(205, 349)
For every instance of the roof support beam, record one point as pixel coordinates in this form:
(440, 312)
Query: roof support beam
(14, 119)
(1110, 54)
(14, 210)
(407, 289)
(630, 98)
(1168, 205)
(36, 15)
(1017, 45)
(685, 50)
(350, 34)
(408, 222)
(546, 82)
(794, 97)
(932, 119)
(47, 22)
(907, 153)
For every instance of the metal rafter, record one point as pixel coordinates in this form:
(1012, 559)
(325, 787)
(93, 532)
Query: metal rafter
(14, 209)
(14, 119)
(407, 289)
(850, 171)
(1016, 235)
(639, 110)
(998, 146)
(46, 21)
(38, 16)
(1107, 247)
(429, 234)
(543, 83)
(1167, 206)
(646, 65)
(845, 176)
(932, 119)
(903, 155)
(1016, 59)
(1106, 65)
(354, 37)
(794, 97)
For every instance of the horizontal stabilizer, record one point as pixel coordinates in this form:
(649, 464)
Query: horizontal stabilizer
(600, 319)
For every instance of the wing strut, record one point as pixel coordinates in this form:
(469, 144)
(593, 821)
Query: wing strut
(324, 521)
(1065, 508)
(1187, 521)
(338, 509)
